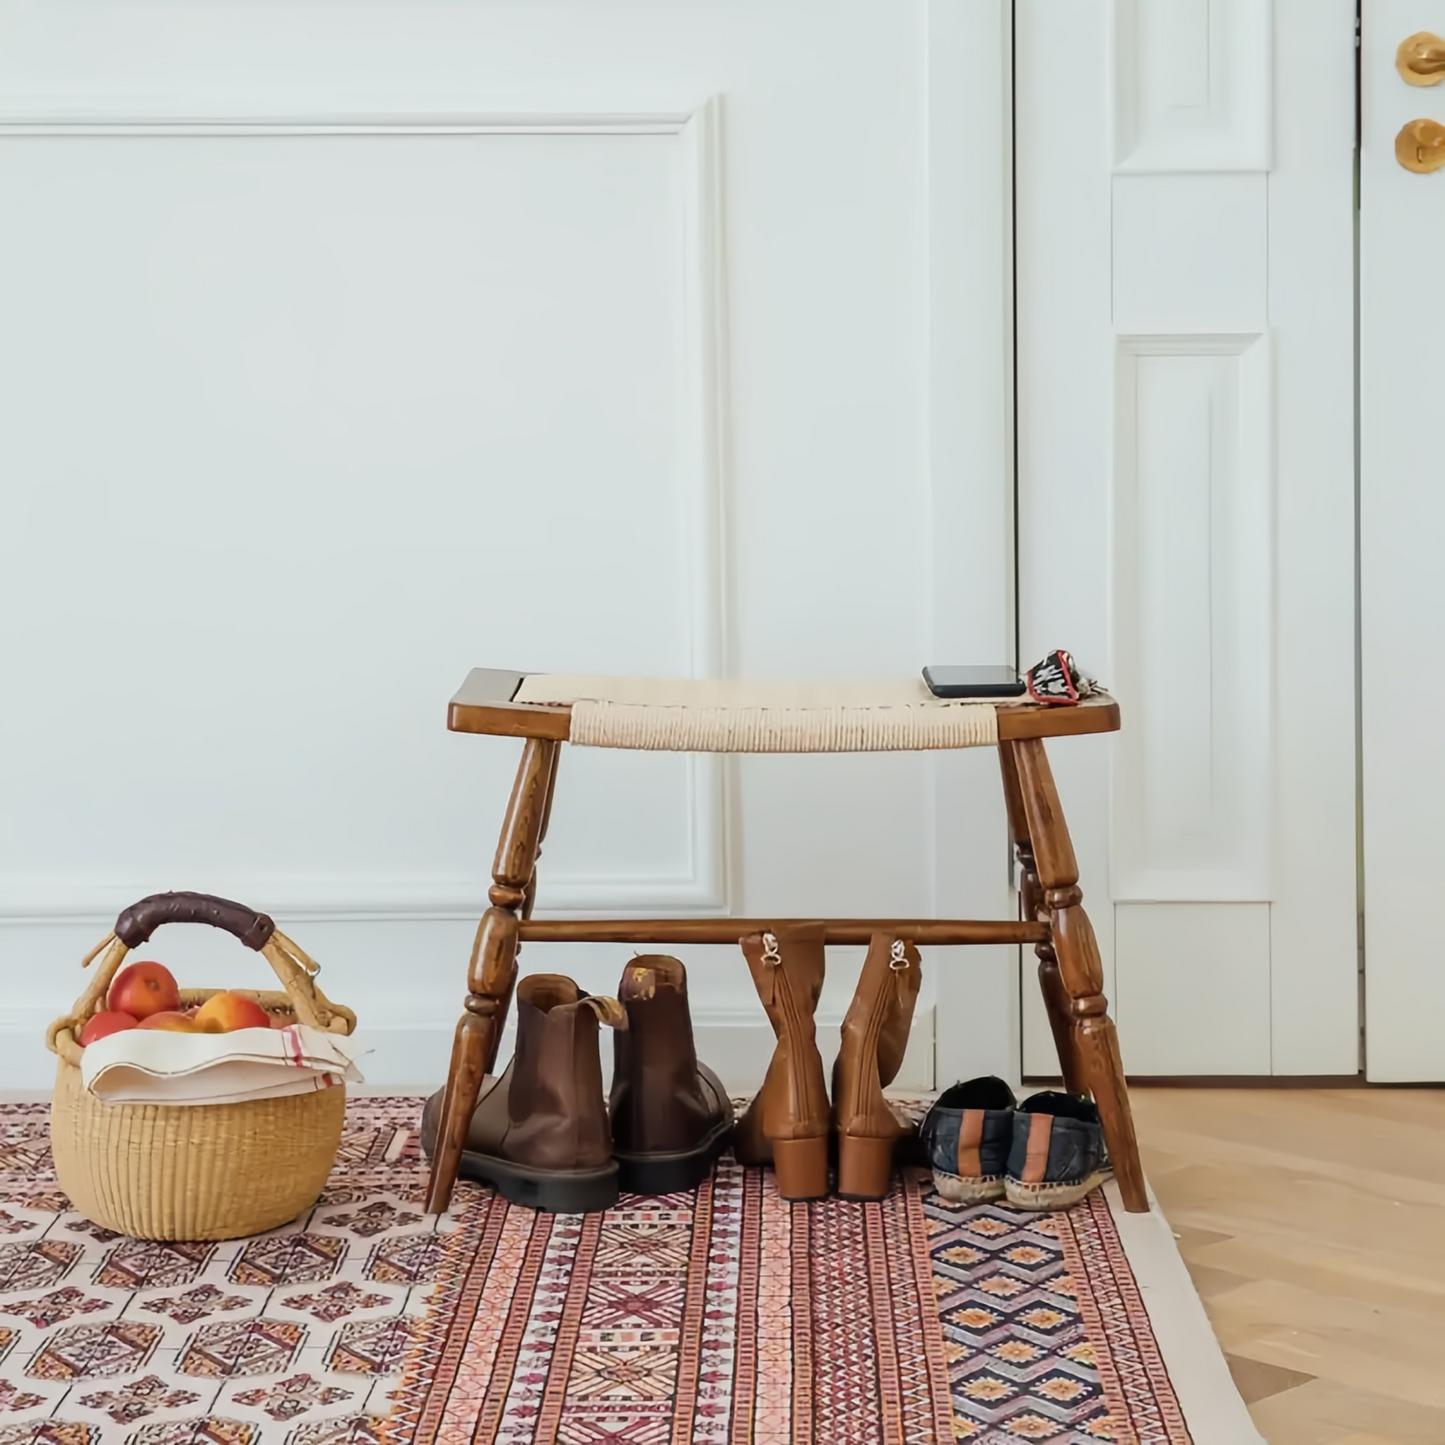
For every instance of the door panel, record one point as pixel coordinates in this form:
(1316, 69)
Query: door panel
(1402, 602)
(1185, 498)
(1194, 997)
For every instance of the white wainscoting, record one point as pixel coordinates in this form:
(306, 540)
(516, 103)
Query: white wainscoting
(295, 629)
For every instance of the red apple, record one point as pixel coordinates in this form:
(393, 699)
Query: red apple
(108, 1021)
(223, 1013)
(143, 989)
(169, 1020)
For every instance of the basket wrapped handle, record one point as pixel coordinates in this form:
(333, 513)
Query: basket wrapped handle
(295, 970)
(138, 922)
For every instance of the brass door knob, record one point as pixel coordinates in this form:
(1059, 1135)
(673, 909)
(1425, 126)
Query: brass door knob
(1421, 59)
(1420, 146)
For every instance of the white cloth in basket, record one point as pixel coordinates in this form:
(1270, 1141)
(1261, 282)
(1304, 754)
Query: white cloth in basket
(154, 1066)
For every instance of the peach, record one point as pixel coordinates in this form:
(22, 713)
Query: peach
(169, 1020)
(143, 989)
(108, 1021)
(224, 1013)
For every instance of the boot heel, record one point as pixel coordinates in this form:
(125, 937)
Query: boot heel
(865, 1166)
(801, 1167)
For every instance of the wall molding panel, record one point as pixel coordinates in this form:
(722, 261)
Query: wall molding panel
(1193, 619)
(1192, 85)
(696, 878)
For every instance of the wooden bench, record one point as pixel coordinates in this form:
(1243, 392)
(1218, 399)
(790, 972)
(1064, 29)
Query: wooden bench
(1053, 919)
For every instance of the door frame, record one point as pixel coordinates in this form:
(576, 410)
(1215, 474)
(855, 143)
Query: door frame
(968, 140)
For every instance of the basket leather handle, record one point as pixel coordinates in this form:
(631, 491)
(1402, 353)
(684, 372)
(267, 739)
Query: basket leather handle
(135, 926)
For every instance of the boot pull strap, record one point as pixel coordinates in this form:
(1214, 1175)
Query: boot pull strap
(608, 1010)
(643, 981)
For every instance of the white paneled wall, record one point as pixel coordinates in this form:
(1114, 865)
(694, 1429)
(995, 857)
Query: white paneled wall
(347, 348)
(339, 414)
(1185, 380)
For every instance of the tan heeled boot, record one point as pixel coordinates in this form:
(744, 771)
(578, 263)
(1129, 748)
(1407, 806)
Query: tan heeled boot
(875, 1035)
(787, 1122)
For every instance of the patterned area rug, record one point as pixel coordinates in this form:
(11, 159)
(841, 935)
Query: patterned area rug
(711, 1318)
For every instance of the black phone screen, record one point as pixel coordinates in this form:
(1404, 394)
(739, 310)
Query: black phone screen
(973, 681)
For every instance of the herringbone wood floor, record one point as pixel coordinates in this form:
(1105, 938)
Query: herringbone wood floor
(1313, 1222)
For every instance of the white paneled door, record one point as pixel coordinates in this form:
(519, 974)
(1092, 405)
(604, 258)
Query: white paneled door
(1186, 500)
(344, 348)
(1402, 515)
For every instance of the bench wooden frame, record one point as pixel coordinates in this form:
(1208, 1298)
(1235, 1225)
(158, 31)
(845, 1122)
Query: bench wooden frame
(1053, 919)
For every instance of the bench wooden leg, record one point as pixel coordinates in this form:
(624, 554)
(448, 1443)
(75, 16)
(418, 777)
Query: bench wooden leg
(493, 970)
(1056, 996)
(1095, 1041)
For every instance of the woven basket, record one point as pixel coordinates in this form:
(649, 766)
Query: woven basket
(205, 1171)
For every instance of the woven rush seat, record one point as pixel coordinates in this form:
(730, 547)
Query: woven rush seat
(732, 716)
(727, 715)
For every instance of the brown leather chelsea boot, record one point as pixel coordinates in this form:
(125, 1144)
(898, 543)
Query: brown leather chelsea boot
(671, 1116)
(787, 1121)
(875, 1035)
(540, 1133)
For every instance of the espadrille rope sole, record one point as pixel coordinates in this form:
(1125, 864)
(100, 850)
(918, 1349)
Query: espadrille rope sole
(1040, 1198)
(958, 1190)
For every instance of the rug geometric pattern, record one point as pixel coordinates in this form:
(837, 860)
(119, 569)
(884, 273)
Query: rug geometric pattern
(293, 1338)
(721, 1316)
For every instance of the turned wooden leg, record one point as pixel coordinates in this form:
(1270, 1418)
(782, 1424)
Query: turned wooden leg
(1095, 1041)
(493, 969)
(1031, 902)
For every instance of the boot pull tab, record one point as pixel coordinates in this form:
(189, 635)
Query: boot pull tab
(642, 981)
(609, 1011)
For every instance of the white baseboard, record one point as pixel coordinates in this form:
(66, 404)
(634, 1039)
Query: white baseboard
(414, 1057)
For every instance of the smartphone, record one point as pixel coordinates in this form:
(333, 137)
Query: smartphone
(973, 681)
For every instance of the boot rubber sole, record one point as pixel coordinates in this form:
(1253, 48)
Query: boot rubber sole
(553, 1191)
(672, 1173)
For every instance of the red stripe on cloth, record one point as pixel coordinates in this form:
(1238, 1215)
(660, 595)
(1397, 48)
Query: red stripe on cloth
(291, 1042)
